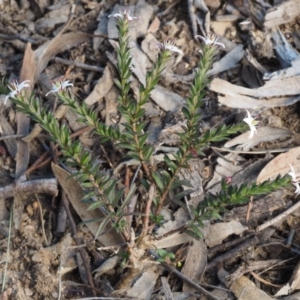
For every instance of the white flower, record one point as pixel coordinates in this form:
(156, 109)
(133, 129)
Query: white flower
(296, 185)
(295, 181)
(123, 15)
(252, 123)
(59, 86)
(211, 39)
(16, 89)
(168, 45)
(292, 173)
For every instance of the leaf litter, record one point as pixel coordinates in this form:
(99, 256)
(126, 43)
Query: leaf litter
(266, 82)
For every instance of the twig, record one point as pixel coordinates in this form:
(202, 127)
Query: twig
(135, 175)
(78, 65)
(252, 152)
(17, 37)
(183, 277)
(106, 156)
(128, 173)
(224, 246)
(232, 253)
(13, 136)
(264, 281)
(279, 217)
(117, 247)
(42, 220)
(147, 211)
(43, 186)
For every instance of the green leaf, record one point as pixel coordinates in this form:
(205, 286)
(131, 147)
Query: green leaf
(193, 234)
(158, 180)
(181, 195)
(95, 205)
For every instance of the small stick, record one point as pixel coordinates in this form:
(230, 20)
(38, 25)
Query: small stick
(42, 219)
(223, 247)
(253, 152)
(43, 186)
(232, 253)
(17, 37)
(36, 164)
(78, 65)
(13, 136)
(147, 210)
(250, 205)
(128, 173)
(279, 217)
(106, 156)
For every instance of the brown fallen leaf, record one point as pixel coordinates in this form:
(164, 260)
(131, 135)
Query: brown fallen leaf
(195, 263)
(280, 165)
(245, 289)
(154, 26)
(75, 194)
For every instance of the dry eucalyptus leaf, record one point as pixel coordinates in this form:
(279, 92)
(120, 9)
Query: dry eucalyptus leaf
(229, 61)
(220, 231)
(172, 240)
(75, 194)
(275, 88)
(239, 101)
(245, 289)
(52, 18)
(101, 89)
(144, 286)
(58, 44)
(154, 26)
(280, 165)
(264, 134)
(195, 263)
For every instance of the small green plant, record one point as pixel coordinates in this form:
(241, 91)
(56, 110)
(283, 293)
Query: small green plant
(133, 138)
(165, 256)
